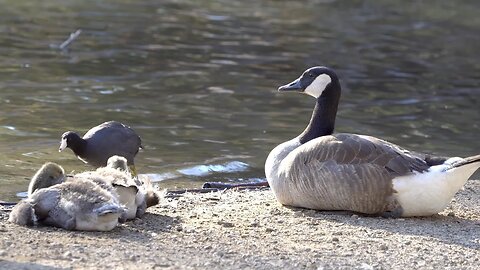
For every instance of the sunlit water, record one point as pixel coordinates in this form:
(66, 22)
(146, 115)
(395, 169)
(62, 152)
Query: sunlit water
(197, 79)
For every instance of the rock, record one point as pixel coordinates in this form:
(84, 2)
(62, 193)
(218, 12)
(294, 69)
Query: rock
(254, 224)
(162, 265)
(133, 258)
(226, 224)
(366, 266)
(335, 239)
(383, 247)
(138, 221)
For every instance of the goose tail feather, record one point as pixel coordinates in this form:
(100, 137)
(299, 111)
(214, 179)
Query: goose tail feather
(466, 161)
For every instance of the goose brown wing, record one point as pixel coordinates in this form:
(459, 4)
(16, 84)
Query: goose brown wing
(351, 149)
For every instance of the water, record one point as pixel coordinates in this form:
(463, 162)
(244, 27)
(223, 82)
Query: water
(197, 79)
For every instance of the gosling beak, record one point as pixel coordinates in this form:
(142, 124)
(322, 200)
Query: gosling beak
(63, 145)
(293, 86)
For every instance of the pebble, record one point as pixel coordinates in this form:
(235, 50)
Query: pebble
(298, 214)
(3, 252)
(163, 265)
(138, 221)
(383, 247)
(366, 266)
(269, 230)
(335, 239)
(133, 258)
(451, 214)
(226, 224)
(254, 224)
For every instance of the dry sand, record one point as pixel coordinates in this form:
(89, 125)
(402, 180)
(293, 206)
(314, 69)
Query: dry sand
(250, 230)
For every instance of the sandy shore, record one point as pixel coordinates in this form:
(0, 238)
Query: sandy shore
(250, 230)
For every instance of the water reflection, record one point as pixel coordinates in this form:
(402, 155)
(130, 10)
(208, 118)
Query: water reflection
(197, 79)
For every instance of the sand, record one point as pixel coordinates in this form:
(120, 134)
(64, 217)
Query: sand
(250, 230)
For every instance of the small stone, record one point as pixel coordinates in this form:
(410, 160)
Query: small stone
(408, 243)
(298, 214)
(3, 252)
(269, 230)
(67, 254)
(451, 214)
(226, 224)
(354, 216)
(138, 221)
(383, 247)
(179, 228)
(366, 266)
(335, 239)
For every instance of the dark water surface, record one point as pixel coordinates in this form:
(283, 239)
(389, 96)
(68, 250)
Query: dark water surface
(197, 79)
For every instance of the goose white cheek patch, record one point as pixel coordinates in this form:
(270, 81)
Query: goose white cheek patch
(316, 88)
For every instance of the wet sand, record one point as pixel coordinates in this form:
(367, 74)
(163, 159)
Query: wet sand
(250, 230)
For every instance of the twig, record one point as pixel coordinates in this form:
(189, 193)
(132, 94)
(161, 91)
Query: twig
(7, 206)
(221, 185)
(73, 36)
(181, 192)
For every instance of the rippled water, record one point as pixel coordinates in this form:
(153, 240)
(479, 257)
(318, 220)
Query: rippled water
(197, 79)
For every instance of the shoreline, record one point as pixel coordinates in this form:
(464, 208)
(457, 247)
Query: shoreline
(248, 229)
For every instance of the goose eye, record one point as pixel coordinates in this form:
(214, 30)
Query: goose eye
(310, 75)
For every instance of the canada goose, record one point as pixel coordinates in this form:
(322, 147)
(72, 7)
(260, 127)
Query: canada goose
(135, 195)
(48, 175)
(147, 195)
(103, 141)
(72, 205)
(326, 171)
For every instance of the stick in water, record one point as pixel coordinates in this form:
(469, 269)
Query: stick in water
(70, 39)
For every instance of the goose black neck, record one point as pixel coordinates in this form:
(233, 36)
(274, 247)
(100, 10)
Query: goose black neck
(322, 122)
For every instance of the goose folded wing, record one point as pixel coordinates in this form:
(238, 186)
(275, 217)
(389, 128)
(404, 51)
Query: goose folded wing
(362, 151)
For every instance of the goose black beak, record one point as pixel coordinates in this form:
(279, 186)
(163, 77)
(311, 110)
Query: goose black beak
(293, 86)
